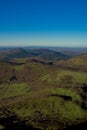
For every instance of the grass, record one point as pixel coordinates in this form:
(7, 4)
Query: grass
(53, 76)
(65, 78)
(67, 92)
(1, 127)
(19, 67)
(36, 68)
(80, 60)
(45, 107)
(42, 106)
(20, 60)
(77, 77)
(11, 90)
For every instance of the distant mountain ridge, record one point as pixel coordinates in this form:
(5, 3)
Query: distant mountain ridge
(22, 53)
(49, 54)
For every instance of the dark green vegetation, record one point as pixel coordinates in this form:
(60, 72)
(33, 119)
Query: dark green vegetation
(20, 53)
(36, 93)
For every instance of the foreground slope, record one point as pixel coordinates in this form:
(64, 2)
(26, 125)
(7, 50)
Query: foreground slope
(43, 96)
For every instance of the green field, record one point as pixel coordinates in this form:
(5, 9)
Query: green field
(11, 90)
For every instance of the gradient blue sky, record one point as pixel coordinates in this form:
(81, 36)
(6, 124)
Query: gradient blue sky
(43, 22)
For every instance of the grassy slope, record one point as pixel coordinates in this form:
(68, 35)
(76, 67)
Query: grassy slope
(41, 109)
(38, 106)
(11, 90)
(79, 63)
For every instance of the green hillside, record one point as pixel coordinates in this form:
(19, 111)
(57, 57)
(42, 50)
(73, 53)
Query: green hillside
(41, 96)
(76, 63)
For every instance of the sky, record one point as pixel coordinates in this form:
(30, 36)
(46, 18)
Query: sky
(43, 23)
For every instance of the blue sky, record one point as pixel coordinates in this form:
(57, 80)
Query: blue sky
(43, 22)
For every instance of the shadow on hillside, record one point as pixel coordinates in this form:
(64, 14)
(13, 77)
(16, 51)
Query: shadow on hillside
(12, 123)
(82, 126)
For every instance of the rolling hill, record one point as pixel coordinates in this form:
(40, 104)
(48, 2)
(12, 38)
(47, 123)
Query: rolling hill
(76, 63)
(15, 53)
(20, 53)
(41, 92)
(49, 54)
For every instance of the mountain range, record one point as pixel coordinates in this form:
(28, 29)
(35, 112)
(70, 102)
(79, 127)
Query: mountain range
(21, 53)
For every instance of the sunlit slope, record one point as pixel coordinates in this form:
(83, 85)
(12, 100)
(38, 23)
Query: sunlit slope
(43, 96)
(37, 75)
(49, 108)
(78, 63)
